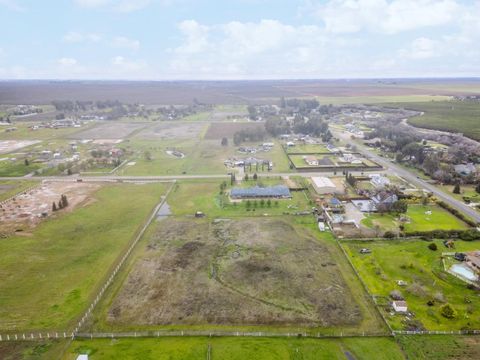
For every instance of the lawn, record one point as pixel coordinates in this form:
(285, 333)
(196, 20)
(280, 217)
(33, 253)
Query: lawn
(187, 197)
(439, 219)
(236, 349)
(200, 116)
(454, 116)
(49, 275)
(467, 191)
(16, 168)
(422, 269)
(33, 350)
(23, 132)
(379, 99)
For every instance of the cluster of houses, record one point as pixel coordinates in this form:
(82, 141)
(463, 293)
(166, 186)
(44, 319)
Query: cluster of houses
(354, 130)
(57, 124)
(265, 147)
(263, 164)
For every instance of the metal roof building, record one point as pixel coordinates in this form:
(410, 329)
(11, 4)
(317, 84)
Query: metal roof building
(278, 191)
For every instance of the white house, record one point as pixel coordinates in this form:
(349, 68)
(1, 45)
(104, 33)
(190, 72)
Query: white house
(378, 180)
(323, 185)
(400, 306)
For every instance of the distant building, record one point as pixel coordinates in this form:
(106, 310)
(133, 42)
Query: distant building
(400, 306)
(323, 185)
(277, 192)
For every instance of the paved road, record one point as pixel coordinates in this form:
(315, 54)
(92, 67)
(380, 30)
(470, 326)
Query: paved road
(412, 178)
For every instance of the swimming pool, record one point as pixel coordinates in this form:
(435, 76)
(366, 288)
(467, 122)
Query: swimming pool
(463, 271)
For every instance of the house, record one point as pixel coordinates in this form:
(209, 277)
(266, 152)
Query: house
(365, 205)
(384, 198)
(400, 306)
(472, 259)
(277, 192)
(465, 169)
(311, 160)
(323, 185)
(379, 181)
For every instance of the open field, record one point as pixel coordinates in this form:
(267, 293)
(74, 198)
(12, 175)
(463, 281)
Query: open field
(228, 129)
(422, 269)
(32, 350)
(419, 220)
(8, 146)
(440, 347)
(380, 99)
(24, 132)
(237, 349)
(108, 130)
(9, 188)
(308, 148)
(49, 275)
(172, 130)
(201, 157)
(241, 272)
(453, 116)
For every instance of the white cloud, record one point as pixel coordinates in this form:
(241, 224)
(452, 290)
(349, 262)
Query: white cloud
(125, 43)
(421, 48)
(78, 37)
(385, 16)
(65, 61)
(128, 66)
(195, 37)
(12, 5)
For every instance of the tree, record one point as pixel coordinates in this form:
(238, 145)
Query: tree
(400, 206)
(255, 176)
(246, 177)
(224, 141)
(54, 206)
(60, 205)
(64, 201)
(252, 112)
(456, 189)
(262, 203)
(432, 246)
(27, 162)
(448, 311)
(269, 203)
(147, 155)
(477, 188)
(248, 204)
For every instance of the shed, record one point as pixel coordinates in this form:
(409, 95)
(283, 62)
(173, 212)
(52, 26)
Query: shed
(323, 185)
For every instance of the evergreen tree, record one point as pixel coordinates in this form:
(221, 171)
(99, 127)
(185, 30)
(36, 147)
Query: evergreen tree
(54, 206)
(456, 189)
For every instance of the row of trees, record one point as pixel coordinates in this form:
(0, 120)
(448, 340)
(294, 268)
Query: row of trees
(62, 203)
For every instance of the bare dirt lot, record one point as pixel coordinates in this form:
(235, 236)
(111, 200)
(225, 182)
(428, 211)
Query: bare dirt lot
(242, 272)
(109, 130)
(177, 130)
(25, 210)
(218, 130)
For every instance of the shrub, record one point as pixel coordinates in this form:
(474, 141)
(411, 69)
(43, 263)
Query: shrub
(439, 297)
(432, 246)
(417, 290)
(448, 311)
(389, 235)
(396, 295)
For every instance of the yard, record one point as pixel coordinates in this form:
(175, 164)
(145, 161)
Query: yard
(49, 274)
(187, 197)
(237, 349)
(420, 219)
(422, 269)
(308, 148)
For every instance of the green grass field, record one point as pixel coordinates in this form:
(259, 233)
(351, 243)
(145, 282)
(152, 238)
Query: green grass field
(339, 100)
(187, 197)
(49, 275)
(201, 157)
(236, 349)
(439, 219)
(9, 188)
(23, 132)
(454, 116)
(440, 347)
(422, 269)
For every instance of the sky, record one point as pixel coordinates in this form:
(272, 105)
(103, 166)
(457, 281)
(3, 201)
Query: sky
(238, 39)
